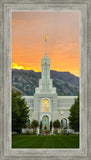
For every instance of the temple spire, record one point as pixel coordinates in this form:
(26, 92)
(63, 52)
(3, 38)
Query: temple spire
(45, 45)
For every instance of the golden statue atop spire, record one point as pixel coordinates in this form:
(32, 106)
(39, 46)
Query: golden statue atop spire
(45, 37)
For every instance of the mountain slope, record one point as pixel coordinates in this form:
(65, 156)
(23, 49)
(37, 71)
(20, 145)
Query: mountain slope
(27, 80)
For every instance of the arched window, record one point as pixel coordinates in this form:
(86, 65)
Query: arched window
(64, 123)
(45, 105)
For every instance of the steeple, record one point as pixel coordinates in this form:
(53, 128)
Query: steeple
(45, 83)
(45, 45)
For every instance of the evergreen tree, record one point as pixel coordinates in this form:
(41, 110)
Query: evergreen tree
(41, 125)
(74, 115)
(50, 125)
(20, 112)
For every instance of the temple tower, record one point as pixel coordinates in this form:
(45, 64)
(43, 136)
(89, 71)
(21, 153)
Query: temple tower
(45, 83)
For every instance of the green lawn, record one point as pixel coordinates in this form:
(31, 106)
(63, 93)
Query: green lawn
(49, 141)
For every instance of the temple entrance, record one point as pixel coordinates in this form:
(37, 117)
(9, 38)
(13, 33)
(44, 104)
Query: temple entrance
(45, 123)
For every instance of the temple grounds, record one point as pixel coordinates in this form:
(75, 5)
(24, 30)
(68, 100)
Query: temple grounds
(45, 141)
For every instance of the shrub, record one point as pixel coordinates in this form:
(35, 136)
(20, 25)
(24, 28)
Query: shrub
(64, 131)
(47, 131)
(27, 133)
(34, 132)
(56, 132)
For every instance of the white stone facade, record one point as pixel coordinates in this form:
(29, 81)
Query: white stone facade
(45, 105)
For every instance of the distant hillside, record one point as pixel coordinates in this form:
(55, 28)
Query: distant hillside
(27, 80)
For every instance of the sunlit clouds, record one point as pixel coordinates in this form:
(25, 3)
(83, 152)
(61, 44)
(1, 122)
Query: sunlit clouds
(28, 40)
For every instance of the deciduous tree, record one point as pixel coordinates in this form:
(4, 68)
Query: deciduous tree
(34, 124)
(56, 124)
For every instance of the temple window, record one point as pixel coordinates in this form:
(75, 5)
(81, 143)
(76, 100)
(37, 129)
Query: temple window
(45, 105)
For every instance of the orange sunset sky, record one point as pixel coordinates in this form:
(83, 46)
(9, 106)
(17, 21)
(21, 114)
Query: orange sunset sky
(28, 40)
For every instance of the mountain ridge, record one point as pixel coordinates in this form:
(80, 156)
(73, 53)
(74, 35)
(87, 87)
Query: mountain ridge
(27, 80)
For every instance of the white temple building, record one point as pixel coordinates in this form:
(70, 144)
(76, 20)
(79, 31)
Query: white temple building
(46, 106)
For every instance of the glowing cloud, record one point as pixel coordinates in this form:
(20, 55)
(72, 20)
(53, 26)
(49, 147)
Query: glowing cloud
(16, 66)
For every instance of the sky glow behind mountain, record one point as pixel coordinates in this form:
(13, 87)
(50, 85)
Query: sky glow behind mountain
(28, 40)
